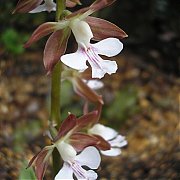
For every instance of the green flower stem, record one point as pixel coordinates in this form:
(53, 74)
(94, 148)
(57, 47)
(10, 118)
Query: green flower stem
(55, 94)
(60, 8)
(55, 115)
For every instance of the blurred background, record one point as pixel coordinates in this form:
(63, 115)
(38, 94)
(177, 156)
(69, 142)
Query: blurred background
(141, 100)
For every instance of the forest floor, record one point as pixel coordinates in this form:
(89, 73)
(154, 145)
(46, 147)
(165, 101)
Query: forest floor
(149, 119)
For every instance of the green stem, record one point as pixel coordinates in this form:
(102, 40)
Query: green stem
(60, 4)
(55, 94)
(55, 115)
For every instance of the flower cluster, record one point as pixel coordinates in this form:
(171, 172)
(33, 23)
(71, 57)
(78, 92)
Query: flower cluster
(79, 141)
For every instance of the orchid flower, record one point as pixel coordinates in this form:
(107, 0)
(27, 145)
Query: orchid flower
(69, 141)
(116, 141)
(84, 29)
(73, 163)
(48, 5)
(90, 52)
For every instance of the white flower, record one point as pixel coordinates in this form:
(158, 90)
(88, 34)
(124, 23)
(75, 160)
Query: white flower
(116, 141)
(48, 5)
(73, 163)
(90, 52)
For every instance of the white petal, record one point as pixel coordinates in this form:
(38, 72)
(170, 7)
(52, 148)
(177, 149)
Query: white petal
(95, 84)
(75, 60)
(106, 66)
(65, 173)
(112, 152)
(119, 141)
(108, 47)
(50, 5)
(97, 73)
(109, 66)
(106, 132)
(38, 9)
(91, 175)
(89, 157)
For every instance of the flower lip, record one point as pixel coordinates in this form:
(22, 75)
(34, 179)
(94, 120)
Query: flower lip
(90, 52)
(88, 157)
(78, 170)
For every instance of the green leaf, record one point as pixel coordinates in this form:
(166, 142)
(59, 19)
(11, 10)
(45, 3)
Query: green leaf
(12, 41)
(27, 174)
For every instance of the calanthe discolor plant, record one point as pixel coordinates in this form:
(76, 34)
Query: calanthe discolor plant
(78, 140)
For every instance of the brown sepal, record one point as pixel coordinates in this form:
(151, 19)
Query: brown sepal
(83, 90)
(55, 47)
(40, 163)
(68, 124)
(102, 143)
(43, 30)
(24, 6)
(72, 3)
(80, 141)
(86, 120)
(97, 5)
(100, 4)
(109, 29)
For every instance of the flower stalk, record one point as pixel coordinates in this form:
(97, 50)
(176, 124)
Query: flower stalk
(55, 115)
(76, 141)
